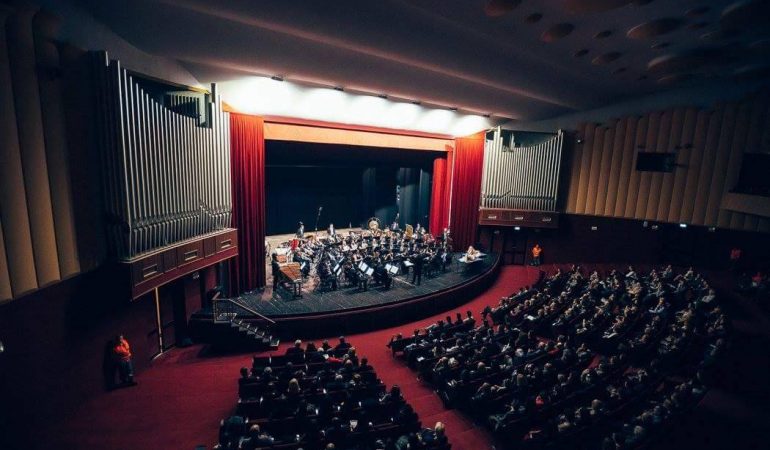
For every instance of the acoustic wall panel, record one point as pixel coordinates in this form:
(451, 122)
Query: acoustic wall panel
(593, 173)
(693, 168)
(669, 210)
(604, 167)
(33, 152)
(634, 180)
(709, 147)
(5, 280)
(645, 178)
(626, 166)
(574, 176)
(714, 197)
(734, 157)
(706, 168)
(54, 133)
(616, 159)
(662, 200)
(14, 216)
(585, 168)
(661, 146)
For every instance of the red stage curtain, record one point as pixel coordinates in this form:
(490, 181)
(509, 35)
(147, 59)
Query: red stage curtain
(247, 168)
(439, 202)
(466, 189)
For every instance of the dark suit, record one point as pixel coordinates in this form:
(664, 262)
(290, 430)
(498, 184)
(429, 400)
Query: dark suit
(419, 262)
(276, 273)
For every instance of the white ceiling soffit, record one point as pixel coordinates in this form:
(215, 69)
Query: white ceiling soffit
(272, 97)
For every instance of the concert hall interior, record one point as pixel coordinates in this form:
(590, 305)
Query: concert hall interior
(395, 224)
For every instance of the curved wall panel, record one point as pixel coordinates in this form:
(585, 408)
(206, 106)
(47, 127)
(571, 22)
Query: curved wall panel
(709, 147)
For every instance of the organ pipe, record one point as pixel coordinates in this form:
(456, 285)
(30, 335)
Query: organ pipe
(166, 162)
(523, 178)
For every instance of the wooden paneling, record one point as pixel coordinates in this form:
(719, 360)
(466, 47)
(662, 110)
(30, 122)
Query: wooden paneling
(709, 146)
(154, 269)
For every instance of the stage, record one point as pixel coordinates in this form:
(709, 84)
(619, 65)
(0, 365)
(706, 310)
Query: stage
(315, 300)
(322, 311)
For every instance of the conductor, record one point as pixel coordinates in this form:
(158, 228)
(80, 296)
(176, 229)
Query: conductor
(301, 231)
(419, 261)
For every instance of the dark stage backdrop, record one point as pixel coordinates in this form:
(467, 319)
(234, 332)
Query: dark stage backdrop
(295, 193)
(351, 183)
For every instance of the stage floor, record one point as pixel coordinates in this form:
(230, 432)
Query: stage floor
(316, 301)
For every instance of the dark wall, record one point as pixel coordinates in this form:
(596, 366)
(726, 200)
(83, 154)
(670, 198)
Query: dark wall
(621, 240)
(55, 341)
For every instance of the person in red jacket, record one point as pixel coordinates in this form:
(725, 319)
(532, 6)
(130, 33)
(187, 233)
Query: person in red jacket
(122, 354)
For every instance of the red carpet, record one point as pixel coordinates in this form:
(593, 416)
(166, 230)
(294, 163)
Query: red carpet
(181, 398)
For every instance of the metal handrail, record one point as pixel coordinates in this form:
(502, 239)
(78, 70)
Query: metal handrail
(230, 305)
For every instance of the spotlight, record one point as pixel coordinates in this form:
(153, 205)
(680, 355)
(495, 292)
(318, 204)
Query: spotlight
(579, 141)
(594, 228)
(487, 115)
(645, 224)
(276, 78)
(339, 88)
(2, 347)
(712, 229)
(383, 95)
(654, 227)
(454, 108)
(416, 102)
(517, 228)
(682, 225)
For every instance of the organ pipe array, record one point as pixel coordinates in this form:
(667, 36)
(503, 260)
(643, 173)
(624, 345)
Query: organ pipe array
(521, 178)
(166, 174)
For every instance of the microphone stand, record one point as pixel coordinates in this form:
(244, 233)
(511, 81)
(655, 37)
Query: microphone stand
(318, 217)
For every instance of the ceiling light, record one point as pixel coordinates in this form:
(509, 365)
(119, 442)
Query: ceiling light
(276, 78)
(268, 96)
(454, 108)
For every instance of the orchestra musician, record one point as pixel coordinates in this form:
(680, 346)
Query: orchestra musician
(276, 268)
(422, 251)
